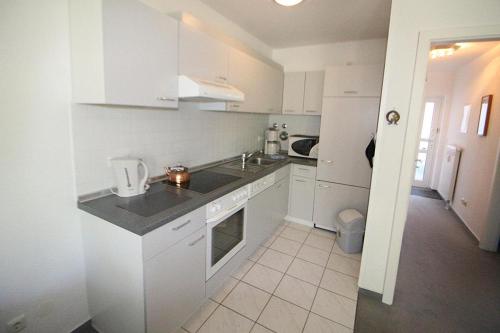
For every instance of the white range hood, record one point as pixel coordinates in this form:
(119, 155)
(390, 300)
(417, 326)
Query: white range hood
(198, 90)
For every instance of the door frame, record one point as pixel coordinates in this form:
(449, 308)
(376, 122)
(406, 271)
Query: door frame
(426, 38)
(430, 162)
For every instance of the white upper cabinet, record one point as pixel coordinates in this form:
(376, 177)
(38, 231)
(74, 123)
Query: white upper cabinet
(303, 93)
(293, 92)
(202, 56)
(245, 74)
(271, 86)
(354, 80)
(123, 53)
(313, 92)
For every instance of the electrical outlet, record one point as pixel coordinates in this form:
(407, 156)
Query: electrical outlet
(17, 324)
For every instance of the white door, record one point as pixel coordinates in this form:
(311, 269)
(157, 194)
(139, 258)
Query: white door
(426, 146)
(293, 92)
(313, 92)
(301, 203)
(347, 127)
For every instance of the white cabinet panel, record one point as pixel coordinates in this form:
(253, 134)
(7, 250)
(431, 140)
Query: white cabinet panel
(330, 199)
(293, 93)
(305, 171)
(280, 203)
(301, 198)
(347, 126)
(201, 55)
(245, 73)
(272, 89)
(313, 92)
(175, 283)
(124, 53)
(355, 80)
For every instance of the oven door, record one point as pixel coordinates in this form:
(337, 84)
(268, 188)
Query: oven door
(225, 237)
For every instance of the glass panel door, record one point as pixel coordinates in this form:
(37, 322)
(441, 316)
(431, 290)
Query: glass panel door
(226, 235)
(428, 136)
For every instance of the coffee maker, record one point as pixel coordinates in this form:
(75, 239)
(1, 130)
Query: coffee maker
(273, 144)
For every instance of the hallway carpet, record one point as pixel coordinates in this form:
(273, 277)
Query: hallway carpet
(445, 282)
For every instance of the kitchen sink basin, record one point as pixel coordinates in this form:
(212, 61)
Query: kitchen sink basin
(261, 161)
(237, 165)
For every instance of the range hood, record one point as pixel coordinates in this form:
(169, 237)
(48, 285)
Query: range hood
(198, 90)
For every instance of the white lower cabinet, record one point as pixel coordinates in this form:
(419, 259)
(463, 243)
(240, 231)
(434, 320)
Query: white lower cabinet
(331, 198)
(175, 283)
(301, 198)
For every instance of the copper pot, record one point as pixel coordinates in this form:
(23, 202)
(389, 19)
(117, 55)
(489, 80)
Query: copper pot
(178, 174)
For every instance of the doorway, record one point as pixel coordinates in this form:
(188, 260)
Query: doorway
(429, 136)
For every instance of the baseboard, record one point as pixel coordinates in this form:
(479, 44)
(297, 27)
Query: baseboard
(289, 218)
(469, 230)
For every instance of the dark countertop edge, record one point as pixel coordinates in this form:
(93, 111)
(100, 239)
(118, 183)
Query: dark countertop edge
(160, 219)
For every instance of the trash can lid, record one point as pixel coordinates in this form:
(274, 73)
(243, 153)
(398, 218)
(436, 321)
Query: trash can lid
(351, 219)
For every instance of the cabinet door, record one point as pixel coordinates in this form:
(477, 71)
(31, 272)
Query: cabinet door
(361, 80)
(175, 283)
(313, 93)
(123, 52)
(244, 74)
(140, 55)
(201, 55)
(281, 193)
(331, 199)
(301, 198)
(347, 126)
(293, 93)
(272, 89)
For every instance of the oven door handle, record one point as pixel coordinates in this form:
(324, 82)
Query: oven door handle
(227, 212)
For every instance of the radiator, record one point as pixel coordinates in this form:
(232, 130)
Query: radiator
(449, 171)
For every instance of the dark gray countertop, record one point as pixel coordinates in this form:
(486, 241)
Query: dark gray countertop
(107, 207)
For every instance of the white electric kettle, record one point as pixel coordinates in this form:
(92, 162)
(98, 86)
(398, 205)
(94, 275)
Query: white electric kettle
(126, 171)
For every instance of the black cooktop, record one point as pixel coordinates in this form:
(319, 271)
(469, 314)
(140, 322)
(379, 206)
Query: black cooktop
(206, 181)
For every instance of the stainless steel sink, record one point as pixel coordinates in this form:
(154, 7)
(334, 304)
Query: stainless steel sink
(238, 165)
(261, 161)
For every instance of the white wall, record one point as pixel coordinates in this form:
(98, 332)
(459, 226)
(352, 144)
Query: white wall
(161, 137)
(395, 155)
(477, 165)
(440, 84)
(318, 57)
(41, 266)
(206, 14)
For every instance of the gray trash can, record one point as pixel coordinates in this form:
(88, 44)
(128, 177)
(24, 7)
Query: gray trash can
(350, 230)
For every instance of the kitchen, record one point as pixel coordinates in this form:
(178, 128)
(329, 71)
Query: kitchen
(93, 89)
(218, 208)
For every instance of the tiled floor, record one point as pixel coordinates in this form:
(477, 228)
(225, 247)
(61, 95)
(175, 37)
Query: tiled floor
(298, 281)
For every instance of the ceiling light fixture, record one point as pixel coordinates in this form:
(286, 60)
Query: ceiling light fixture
(288, 3)
(440, 51)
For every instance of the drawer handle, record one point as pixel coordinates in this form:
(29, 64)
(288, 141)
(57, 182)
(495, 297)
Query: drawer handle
(323, 186)
(350, 91)
(289, 111)
(327, 161)
(303, 169)
(300, 181)
(181, 226)
(235, 105)
(222, 78)
(311, 111)
(193, 243)
(166, 99)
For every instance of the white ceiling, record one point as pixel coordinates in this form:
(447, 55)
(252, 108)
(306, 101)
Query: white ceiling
(310, 22)
(461, 56)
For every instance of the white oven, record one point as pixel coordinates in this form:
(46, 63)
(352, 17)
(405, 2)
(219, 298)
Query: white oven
(226, 229)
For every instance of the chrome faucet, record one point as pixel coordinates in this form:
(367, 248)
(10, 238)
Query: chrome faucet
(245, 156)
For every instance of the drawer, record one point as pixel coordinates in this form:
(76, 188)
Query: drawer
(282, 173)
(165, 236)
(304, 171)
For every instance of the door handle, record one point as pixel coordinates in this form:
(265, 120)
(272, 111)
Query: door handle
(181, 225)
(193, 243)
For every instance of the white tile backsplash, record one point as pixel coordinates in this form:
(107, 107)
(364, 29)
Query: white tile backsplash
(161, 137)
(309, 125)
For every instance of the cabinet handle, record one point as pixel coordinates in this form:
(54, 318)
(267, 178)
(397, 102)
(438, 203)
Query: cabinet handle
(350, 91)
(311, 111)
(193, 243)
(323, 186)
(289, 111)
(300, 181)
(235, 105)
(181, 225)
(222, 78)
(327, 161)
(167, 99)
(303, 169)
